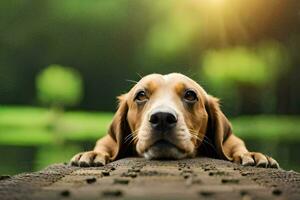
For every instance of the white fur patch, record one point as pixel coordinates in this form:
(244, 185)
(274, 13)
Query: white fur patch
(164, 152)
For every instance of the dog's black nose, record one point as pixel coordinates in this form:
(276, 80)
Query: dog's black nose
(163, 121)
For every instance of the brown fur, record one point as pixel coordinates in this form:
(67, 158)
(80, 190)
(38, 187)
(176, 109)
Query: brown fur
(209, 130)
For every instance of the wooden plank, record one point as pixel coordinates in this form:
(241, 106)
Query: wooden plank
(137, 178)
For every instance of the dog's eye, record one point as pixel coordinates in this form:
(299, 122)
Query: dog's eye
(190, 96)
(141, 96)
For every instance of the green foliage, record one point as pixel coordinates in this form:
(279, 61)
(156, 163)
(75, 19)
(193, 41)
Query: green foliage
(175, 30)
(120, 38)
(267, 127)
(256, 66)
(30, 126)
(57, 85)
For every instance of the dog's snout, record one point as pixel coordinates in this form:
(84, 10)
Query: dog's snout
(163, 121)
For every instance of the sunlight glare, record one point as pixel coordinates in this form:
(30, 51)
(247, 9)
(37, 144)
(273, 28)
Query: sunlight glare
(217, 2)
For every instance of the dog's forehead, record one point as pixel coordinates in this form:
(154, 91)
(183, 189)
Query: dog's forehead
(154, 81)
(177, 77)
(167, 79)
(157, 78)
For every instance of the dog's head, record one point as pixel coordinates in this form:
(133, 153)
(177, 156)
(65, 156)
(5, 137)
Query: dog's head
(169, 116)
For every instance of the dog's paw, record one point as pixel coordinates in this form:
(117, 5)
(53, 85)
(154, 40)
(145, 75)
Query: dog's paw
(90, 159)
(255, 159)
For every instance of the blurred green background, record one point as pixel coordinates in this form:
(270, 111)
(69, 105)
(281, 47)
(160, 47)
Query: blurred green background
(63, 62)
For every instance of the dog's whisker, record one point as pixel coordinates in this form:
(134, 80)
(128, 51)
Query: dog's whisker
(205, 139)
(134, 139)
(127, 139)
(194, 133)
(131, 81)
(139, 75)
(197, 138)
(210, 144)
(130, 136)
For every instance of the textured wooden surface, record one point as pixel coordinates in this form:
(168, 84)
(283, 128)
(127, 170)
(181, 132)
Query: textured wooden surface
(136, 178)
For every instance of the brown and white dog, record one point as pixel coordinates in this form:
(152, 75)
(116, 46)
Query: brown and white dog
(170, 117)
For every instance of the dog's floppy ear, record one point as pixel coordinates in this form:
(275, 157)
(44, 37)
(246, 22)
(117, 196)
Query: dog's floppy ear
(219, 128)
(119, 128)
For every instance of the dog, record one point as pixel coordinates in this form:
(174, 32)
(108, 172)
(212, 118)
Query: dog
(170, 117)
